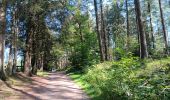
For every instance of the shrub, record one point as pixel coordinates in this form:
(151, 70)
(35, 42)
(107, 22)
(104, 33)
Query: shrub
(126, 79)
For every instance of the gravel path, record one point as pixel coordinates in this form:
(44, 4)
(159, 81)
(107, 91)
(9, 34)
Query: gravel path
(56, 86)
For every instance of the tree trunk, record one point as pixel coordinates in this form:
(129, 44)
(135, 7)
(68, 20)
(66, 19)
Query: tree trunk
(14, 39)
(108, 37)
(151, 26)
(163, 27)
(103, 32)
(2, 71)
(143, 45)
(2, 37)
(10, 61)
(98, 32)
(34, 65)
(34, 54)
(27, 64)
(15, 42)
(127, 26)
(41, 63)
(80, 32)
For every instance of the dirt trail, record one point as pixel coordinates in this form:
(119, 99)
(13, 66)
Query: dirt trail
(57, 86)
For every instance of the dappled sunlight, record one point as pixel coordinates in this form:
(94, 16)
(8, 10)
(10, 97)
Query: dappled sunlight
(55, 85)
(84, 49)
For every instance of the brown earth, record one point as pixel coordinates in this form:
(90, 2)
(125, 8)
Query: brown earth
(56, 86)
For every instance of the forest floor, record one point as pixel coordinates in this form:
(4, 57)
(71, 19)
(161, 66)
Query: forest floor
(54, 86)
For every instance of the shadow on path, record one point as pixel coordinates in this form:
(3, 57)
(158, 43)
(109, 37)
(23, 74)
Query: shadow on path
(57, 86)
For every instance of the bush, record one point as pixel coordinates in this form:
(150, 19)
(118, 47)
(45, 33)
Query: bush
(83, 57)
(126, 79)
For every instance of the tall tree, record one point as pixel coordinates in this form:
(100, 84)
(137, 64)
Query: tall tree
(102, 56)
(103, 32)
(143, 45)
(10, 61)
(151, 26)
(163, 27)
(3, 4)
(28, 53)
(13, 45)
(127, 25)
(16, 32)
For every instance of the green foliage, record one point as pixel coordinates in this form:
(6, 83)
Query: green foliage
(84, 53)
(119, 53)
(153, 80)
(127, 79)
(110, 83)
(80, 40)
(116, 20)
(134, 47)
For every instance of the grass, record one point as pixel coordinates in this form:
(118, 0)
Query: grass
(80, 80)
(42, 73)
(4, 94)
(154, 65)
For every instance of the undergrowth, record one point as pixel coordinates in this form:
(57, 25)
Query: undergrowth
(127, 79)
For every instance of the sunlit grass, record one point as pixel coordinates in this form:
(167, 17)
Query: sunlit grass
(42, 73)
(88, 88)
(154, 65)
(5, 94)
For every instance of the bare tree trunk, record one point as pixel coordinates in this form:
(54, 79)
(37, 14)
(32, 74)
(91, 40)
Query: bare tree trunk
(42, 63)
(80, 32)
(10, 61)
(15, 42)
(98, 32)
(2, 37)
(27, 64)
(108, 36)
(14, 39)
(34, 65)
(151, 26)
(103, 32)
(137, 28)
(127, 25)
(143, 45)
(163, 27)
(2, 71)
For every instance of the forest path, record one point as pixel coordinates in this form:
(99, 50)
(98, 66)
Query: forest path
(56, 86)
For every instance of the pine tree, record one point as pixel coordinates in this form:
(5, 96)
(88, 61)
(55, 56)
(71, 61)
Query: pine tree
(143, 45)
